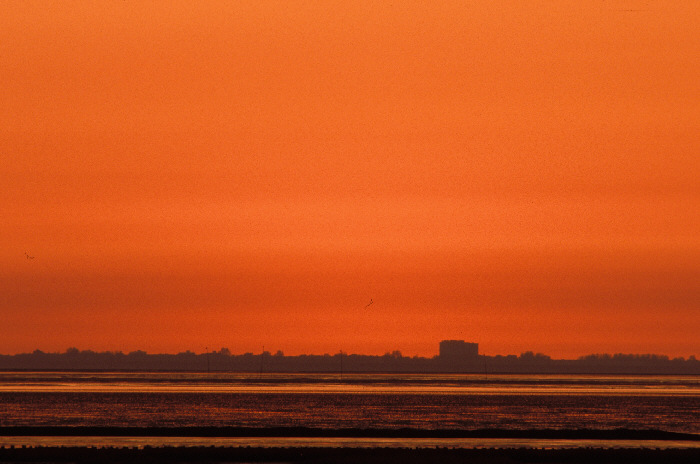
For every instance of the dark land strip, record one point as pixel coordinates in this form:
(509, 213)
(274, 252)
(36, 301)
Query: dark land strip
(162, 455)
(301, 432)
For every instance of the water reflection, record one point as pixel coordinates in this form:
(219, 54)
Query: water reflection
(456, 384)
(670, 403)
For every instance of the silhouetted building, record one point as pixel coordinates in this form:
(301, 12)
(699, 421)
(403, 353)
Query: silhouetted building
(458, 350)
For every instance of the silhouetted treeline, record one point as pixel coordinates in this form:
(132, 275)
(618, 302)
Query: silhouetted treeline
(223, 360)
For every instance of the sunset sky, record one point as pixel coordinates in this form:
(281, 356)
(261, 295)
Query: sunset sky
(521, 174)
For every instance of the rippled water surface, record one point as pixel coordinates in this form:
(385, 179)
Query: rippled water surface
(670, 403)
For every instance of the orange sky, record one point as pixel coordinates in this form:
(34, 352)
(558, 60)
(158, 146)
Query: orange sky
(523, 174)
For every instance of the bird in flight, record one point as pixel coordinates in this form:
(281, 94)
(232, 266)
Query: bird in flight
(370, 302)
(27, 255)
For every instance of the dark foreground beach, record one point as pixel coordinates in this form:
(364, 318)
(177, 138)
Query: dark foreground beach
(639, 453)
(343, 455)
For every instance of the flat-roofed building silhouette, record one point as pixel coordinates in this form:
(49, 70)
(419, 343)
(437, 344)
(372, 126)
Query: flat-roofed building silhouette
(458, 350)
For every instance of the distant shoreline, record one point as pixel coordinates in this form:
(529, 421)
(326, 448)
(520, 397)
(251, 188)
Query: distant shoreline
(455, 356)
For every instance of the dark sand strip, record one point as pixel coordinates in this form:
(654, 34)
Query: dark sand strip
(342, 456)
(589, 434)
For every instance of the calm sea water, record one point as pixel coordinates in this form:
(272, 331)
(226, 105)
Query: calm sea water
(670, 403)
